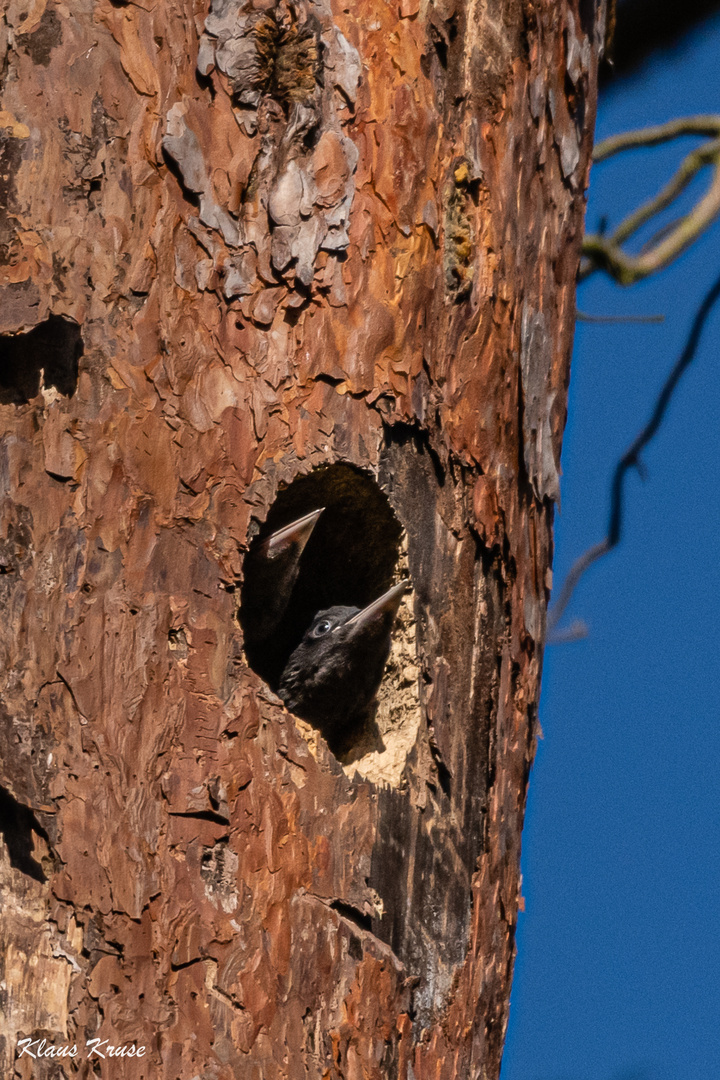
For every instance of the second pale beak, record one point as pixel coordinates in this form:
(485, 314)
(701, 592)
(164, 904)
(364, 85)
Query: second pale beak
(271, 571)
(296, 533)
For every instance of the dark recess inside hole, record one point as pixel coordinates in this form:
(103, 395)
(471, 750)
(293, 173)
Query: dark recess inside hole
(54, 346)
(349, 559)
(17, 824)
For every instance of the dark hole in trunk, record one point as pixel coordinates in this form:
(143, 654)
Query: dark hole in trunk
(349, 560)
(53, 347)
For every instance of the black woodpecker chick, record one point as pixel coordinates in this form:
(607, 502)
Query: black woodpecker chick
(333, 675)
(271, 570)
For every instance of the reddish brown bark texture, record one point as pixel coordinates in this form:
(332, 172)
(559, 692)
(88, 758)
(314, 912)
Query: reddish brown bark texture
(291, 233)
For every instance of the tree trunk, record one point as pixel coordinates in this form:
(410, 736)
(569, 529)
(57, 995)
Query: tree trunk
(256, 260)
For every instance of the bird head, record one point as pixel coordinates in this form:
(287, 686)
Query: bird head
(334, 673)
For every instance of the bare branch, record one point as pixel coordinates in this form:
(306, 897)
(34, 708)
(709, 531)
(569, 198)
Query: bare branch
(606, 252)
(630, 460)
(630, 140)
(696, 160)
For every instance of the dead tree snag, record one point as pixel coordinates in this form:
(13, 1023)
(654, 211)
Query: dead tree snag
(256, 259)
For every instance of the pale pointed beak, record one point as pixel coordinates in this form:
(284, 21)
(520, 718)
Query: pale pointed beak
(387, 604)
(297, 533)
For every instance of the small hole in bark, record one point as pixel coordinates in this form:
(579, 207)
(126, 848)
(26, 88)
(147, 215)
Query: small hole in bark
(587, 17)
(54, 348)
(205, 83)
(444, 775)
(17, 824)
(350, 559)
(177, 638)
(353, 914)
(440, 44)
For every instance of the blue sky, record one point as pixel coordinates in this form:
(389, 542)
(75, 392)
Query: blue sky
(618, 970)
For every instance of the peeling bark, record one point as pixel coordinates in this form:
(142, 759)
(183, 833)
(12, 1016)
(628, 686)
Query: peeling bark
(243, 245)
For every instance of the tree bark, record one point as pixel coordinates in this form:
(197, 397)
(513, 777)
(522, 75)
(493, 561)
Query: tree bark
(257, 260)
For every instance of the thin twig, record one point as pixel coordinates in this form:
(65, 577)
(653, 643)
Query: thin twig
(584, 316)
(661, 233)
(630, 460)
(578, 568)
(576, 631)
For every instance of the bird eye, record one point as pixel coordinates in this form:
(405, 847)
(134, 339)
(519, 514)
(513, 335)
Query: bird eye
(322, 628)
